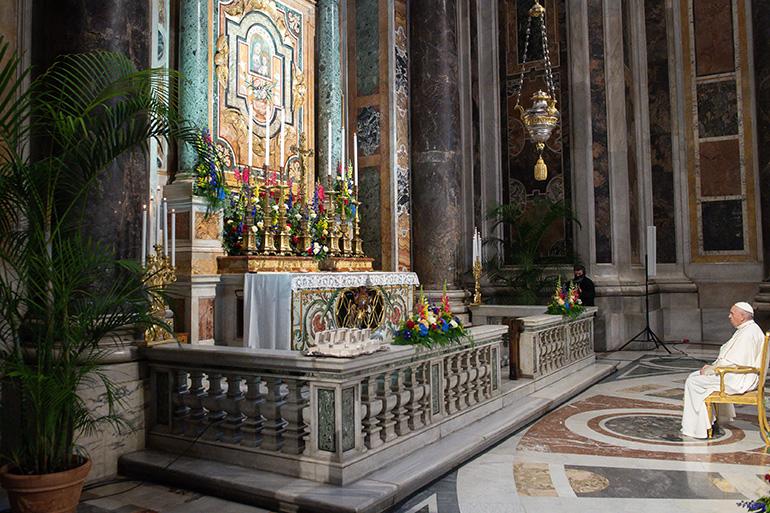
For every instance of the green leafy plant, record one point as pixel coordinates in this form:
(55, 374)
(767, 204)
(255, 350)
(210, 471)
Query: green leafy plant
(521, 261)
(62, 294)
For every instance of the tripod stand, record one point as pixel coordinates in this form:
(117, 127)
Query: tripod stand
(647, 335)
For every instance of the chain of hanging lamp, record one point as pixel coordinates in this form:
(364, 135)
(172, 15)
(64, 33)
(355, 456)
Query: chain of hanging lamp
(540, 119)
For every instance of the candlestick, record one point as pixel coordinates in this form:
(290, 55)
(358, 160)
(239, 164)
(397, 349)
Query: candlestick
(144, 234)
(329, 135)
(151, 237)
(165, 226)
(157, 215)
(282, 163)
(173, 237)
(342, 154)
(267, 140)
(355, 159)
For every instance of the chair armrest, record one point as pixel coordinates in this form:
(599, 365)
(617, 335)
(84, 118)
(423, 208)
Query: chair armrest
(734, 370)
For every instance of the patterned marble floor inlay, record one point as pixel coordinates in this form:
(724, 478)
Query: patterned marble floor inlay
(616, 446)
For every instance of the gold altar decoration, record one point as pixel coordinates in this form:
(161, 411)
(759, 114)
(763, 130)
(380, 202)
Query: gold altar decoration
(160, 273)
(540, 119)
(360, 307)
(477, 278)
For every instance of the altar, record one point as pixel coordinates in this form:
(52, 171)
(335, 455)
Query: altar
(284, 310)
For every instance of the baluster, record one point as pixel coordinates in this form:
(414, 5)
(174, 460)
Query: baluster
(294, 431)
(212, 402)
(231, 429)
(403, 396)
(181, 410)
(272, 430)
(417, 391)
(450, 383)
(425, 403)
(462, 385)
(471, 367)
(389, 402)
(194, 400)
(370, 422)
(250, 407)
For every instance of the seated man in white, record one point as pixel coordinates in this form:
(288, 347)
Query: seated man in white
(745, 349)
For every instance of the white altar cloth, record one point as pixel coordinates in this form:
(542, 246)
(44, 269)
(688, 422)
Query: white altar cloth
(275, 316)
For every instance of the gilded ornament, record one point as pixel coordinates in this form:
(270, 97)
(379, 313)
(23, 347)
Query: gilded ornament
(299, 90)
(221, 58)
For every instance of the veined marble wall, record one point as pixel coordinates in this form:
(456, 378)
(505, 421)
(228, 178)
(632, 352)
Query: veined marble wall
(761, 28)
(378, 64)
(720, 131)
(632, 159)
(519, 154)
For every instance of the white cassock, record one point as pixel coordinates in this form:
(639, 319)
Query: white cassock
(744, 348)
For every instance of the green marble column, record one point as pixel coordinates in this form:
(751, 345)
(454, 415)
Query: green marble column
(193, 64)
(329, 106)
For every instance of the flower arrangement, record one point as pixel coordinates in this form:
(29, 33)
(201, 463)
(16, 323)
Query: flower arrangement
(761, 505)
(430, 325)
(210, 182)
(566, 301)
(318, 226)
(344, 193)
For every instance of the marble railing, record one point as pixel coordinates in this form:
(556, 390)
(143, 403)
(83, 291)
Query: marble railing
(546, 343)
(327, 419)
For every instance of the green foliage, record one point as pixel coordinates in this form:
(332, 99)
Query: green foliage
(520, 260)
(81, 114)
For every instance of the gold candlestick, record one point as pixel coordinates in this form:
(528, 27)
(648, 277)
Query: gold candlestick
(305, 240)
(268, 244)
(477, 277)
(160, 273)
(283, 247)
(334, 235)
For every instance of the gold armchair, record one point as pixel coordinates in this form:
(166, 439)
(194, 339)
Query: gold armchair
(753, 397)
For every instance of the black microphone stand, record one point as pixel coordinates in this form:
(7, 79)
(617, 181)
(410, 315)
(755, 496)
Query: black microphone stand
(646, 335)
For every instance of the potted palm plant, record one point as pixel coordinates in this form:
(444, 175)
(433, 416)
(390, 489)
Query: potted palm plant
(62, 294)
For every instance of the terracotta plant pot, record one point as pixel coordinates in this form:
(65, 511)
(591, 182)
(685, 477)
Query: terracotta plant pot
(47, 493)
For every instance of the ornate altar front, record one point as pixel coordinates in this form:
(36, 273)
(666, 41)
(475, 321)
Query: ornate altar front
(286, 310)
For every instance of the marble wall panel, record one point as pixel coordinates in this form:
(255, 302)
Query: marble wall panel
(205, 318)
(602, 206)
(367, 47)
(661, 157)
(206, 226)
(723, 225)
(633, 176)
(370, 198)
(714, 50)
(368, 125)
(403, 171)
(8, 22)
(761, 34)
(717, 108)
(183, 225)
(720, 168)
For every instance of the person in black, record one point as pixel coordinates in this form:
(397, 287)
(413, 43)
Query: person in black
(584, 284)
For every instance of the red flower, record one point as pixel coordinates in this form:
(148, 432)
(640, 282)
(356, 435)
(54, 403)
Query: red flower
(410, 324)
(433, 327)
(294, 240)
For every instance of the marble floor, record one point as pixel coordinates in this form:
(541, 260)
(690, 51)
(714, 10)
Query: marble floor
(614, 447)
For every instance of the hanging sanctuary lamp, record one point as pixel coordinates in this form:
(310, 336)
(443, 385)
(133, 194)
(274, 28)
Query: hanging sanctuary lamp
(540, 119)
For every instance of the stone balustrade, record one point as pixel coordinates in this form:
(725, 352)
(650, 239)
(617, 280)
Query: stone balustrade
(547, 343)
(327, 419)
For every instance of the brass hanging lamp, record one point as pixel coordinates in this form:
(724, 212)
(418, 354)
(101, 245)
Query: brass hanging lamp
(540, 119)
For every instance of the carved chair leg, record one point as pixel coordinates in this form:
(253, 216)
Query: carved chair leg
(762, 421)
(709, 409)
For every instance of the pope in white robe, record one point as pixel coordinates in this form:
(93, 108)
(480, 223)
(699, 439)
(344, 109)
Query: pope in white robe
(743, 349)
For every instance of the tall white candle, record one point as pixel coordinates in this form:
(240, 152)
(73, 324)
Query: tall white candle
(173, 237)
(144, 234)
(342, 154)
(157, 215)
(355, 159)
(152, 222)
(474, 247)
(165, 226)
(267, 141)
(329, 135)
(283, 138)
(251, 131)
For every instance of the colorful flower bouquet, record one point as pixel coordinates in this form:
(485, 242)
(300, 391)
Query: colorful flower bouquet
(566, 302)
(210, 182)
(430, 325)
(761, 505)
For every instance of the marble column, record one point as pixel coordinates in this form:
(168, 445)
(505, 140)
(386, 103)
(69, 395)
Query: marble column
(436, 145)
(329, 105)
(75, 26)
(194, 65)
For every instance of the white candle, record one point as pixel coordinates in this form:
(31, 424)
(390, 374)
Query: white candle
(157, 215)
(355, 159)
(342, 154)
(329, 135)
(144, 234)
(173, 237)
(474, 247)
(267, 141)
(152, 222)
(165, 226)
(251, 132)
(283, 138)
